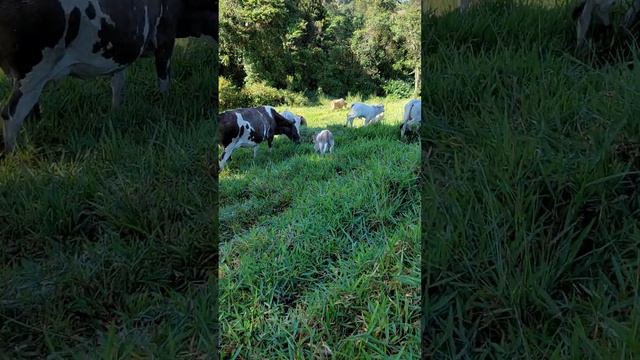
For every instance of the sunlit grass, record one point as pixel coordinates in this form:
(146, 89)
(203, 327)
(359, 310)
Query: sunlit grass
(322, 252)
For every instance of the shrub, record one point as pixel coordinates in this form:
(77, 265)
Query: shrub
(398, 89)
(256, 94)
(230, 95)
(263, 94)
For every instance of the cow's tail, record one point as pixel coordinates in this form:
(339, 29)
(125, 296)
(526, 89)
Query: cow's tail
(407, 114)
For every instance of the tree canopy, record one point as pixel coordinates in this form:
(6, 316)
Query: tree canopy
(338, 46)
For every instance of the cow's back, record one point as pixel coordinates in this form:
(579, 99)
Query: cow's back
(78, 37)
(254, 120)
(26, 28)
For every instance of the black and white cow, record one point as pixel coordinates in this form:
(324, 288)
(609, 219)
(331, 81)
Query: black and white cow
(44, 40)
(250, 126)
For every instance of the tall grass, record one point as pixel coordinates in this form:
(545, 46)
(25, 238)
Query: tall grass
(108, 219)
(320, 254)
(530, 195)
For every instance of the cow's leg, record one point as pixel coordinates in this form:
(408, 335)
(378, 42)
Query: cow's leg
(17, 109)
(163, 66)
(226, 155)
(118, 82)
(270, 144)
(583, 22)
(255, 151)
(349, 121)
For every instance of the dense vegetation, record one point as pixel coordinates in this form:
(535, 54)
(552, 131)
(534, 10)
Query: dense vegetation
(531, 194)
(319, 254)
(327, 47)
(108, 219)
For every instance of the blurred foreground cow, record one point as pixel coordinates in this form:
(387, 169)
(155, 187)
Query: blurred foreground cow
(44, 40)
(323, 142)
(338, 104)
(251, 126)
(411, 117)
(361, 110)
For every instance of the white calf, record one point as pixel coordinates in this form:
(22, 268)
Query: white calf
(323, 142)
(361, 110)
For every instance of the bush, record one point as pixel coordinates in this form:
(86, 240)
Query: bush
(398, 89)
(263, 94)
(255, 95)
(230, 95)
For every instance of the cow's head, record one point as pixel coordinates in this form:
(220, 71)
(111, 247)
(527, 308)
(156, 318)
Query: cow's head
(198, 18)
(284, 126)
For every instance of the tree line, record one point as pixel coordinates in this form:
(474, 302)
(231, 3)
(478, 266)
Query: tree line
(335, 47)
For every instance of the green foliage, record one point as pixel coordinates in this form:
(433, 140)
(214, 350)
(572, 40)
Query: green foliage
(257, 94)
(342, 47)
(230, 96)
(398, 89)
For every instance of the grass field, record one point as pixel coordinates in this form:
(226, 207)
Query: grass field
(530, 201)
(321, 254)
(108, 219)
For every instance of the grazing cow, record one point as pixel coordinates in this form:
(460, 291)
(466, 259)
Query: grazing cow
(251, 126)
(44, 40)
(338, 104)
(411, 117)
(323, 142)
(361, 110)
(293, 117)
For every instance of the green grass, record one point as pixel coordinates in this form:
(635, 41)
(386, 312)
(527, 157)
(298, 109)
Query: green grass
(531, 198)
(108, 219)
(322, 252)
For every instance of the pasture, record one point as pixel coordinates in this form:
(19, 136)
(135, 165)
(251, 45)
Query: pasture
(320, 254)
(108, 219)
(530, 202)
